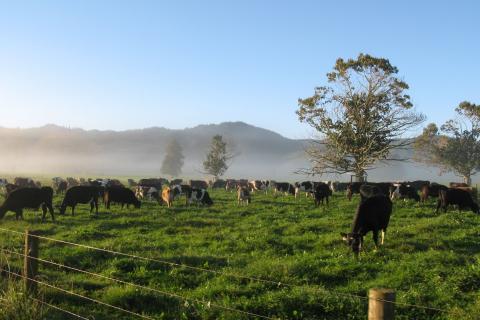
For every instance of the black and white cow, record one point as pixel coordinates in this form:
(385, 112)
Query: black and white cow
(258, 185)
(403, 191)
(306, 186)
(199, 196)
(285, 187)
(322, 192)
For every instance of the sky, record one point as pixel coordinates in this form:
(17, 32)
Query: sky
(134, 64)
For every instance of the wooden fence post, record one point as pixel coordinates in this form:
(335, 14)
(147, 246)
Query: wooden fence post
(378, 307)
(30, 265)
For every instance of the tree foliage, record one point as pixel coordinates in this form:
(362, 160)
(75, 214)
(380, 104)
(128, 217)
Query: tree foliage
(455, 147)
(173, 161)
(360, 116)
(215, 163)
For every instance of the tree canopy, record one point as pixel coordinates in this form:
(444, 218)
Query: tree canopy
(455, 147)
(360, 116)
(173, 161)
(216, 160)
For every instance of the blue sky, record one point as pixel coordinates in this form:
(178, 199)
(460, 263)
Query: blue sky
(133, 64)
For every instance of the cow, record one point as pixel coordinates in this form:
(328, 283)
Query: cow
(199, 196)
(353, 188)
(152, 182)
(373, 214)
(80, 194)
(72, 182)
(181, 189)
(431, 190)
(24, 182)
(121, 195)
(284, 187)
(258, 185)
(417, 184)
(403, 191)
(9, 187)
(243, 195)
(322, 192)
(167, 196)
(306, 186)
(198, 184)
(454, 196)
(28, 198)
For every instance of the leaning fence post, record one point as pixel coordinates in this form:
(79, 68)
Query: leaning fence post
(381, 304)
(30, 265)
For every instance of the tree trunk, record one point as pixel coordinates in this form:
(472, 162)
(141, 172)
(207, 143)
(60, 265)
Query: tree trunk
(360, 176)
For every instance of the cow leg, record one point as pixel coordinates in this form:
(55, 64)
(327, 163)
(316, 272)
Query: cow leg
(383, 237)
(73, 210)
(96, 206)
(19, 214)
(91, 206)
(375, 238)
(439, 203)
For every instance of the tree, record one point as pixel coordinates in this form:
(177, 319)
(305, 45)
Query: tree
(455, 147)
(361, 115)
(215, 163)
(173, 161)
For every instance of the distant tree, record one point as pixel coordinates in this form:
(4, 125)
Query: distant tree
(361, 116)
(455, 147)
(216, 160)
(173, 161)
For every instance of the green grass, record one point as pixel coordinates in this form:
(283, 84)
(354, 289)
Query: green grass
(429, 259)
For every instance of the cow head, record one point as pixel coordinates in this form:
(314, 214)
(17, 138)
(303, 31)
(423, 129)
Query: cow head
(353, 240)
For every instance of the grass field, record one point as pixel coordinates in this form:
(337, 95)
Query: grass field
(431, 260)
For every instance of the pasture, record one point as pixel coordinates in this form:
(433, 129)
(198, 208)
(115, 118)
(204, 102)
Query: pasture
(430, 259)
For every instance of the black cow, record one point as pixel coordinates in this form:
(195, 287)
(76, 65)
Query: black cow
(284, 187)
(199, 196)
(28, 198)
(181, 189)
(218, 184)
(453, 196)
(80, 194)
(431, 190)
(373, 214)
(321, 193)
(353, 188)
(121, 195)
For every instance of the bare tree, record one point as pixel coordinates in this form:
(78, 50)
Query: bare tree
(360, 117)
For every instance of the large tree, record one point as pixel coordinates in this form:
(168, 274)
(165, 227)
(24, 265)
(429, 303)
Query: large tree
(216, 160)
(360, 116)
(455, 147)
(173, 161)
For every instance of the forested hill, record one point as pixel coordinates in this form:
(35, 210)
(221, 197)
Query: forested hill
(259, 152)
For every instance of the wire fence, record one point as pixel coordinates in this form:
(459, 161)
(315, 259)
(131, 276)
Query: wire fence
(208, 304)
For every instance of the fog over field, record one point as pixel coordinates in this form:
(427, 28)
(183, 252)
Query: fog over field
(260, 153)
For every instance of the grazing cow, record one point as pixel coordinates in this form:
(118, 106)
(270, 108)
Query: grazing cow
(80, 194)
(24, 182)
(284, 187)
(373, 214)
(199, 196)
(306, 186)
(167, 196)
(151, 182)
(454, 196)
(321, 193)
(28, 198)
(198, 184)
(121, 195)
(243, 195)
(431, 190)
(181, 189)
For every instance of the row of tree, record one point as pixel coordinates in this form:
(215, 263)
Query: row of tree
(363, 113)
(215, 163)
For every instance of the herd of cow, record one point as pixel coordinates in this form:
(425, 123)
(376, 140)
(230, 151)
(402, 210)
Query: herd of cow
(373, 212)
